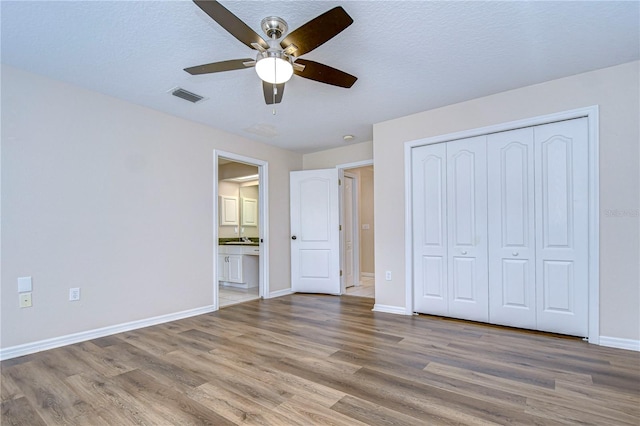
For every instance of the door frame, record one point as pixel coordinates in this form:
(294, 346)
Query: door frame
(355, 227)
(592, 114)
(263, 220)
(341, 170)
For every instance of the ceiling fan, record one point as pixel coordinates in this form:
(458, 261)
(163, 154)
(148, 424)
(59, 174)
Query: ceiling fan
(277, 60)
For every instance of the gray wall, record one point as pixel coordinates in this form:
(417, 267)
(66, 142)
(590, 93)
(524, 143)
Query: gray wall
(616, 90)
(116, 199)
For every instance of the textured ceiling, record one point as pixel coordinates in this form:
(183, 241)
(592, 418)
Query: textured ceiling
(409, 56)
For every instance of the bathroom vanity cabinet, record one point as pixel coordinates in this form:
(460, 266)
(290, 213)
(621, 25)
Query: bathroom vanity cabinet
(238, 265)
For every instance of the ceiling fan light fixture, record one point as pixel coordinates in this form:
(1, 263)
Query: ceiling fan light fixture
(274, 67)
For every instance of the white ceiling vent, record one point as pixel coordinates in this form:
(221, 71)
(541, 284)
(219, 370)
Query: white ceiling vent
(186, 95)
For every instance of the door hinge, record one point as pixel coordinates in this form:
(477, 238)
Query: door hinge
(339, 182)
(340, 272)
(339, 227)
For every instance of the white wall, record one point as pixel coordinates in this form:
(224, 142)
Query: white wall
(342, 155)
(616, 90)
(116, 199)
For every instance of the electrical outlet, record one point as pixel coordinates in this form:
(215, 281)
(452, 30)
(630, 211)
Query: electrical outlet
(74, 294)
(387, 276)
(25, 300)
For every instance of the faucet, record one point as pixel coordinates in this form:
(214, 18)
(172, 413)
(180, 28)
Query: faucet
(246, 240)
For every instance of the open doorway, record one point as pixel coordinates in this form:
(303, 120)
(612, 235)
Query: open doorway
(239, 229)
(358, 231)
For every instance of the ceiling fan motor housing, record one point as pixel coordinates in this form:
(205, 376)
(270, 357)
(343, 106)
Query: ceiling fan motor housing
(274, 27)
(274, 53)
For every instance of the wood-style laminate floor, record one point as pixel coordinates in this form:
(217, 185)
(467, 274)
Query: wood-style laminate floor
(309, 359)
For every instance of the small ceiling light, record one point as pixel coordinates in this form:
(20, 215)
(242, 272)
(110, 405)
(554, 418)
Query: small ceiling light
(274, 67)
(348, 138)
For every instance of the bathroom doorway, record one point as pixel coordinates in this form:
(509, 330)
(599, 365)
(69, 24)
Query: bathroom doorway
(239, 231)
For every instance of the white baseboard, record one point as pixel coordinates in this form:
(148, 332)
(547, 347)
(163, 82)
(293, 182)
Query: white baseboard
(367, 274)
(615, 342)
(279, 293)
(69, 339)
(398, 310)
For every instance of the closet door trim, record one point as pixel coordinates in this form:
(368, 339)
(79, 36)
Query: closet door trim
(592, 113)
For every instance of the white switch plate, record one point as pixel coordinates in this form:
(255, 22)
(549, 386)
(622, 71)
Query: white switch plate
(365, 226)
(74, 294)
(25, 300)
(387, 276)
(24, 284)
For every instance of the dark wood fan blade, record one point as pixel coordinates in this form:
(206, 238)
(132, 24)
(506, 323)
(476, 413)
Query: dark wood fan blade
(324, 74)
(267, 88)
(230, 22)
(234, 64)
(317, 31)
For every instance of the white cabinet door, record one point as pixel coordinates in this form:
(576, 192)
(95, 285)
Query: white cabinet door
(315, 243)
(234, 262)
(228, 210)
(429, 198)
(561, 187)
(223, 268)
(468, 291)
(249, 212)
(512, 287)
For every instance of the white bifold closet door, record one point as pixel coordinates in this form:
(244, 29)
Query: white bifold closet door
(501, 228)
(512, 242)
(429, 177)
(562, 227)
(538, 227)
(450, 229)
(467, 230)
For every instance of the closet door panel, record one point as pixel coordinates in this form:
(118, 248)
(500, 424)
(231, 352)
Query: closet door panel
(511, 223)
(429, 197)
(467, 229)
(561, 151)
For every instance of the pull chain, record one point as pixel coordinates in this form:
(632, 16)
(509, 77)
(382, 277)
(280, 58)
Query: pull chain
(275, 91)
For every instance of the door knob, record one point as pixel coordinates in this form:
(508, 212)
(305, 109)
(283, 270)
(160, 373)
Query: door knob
(294, 237)
(464, 252)
(515, 253)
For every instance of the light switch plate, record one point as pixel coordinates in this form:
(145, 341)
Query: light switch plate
(24, 284)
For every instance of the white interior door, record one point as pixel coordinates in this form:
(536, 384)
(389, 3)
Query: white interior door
(512, 291)
(349, 240)
(562, 227)
(315, 244)
(429, 197)
(468, 281)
